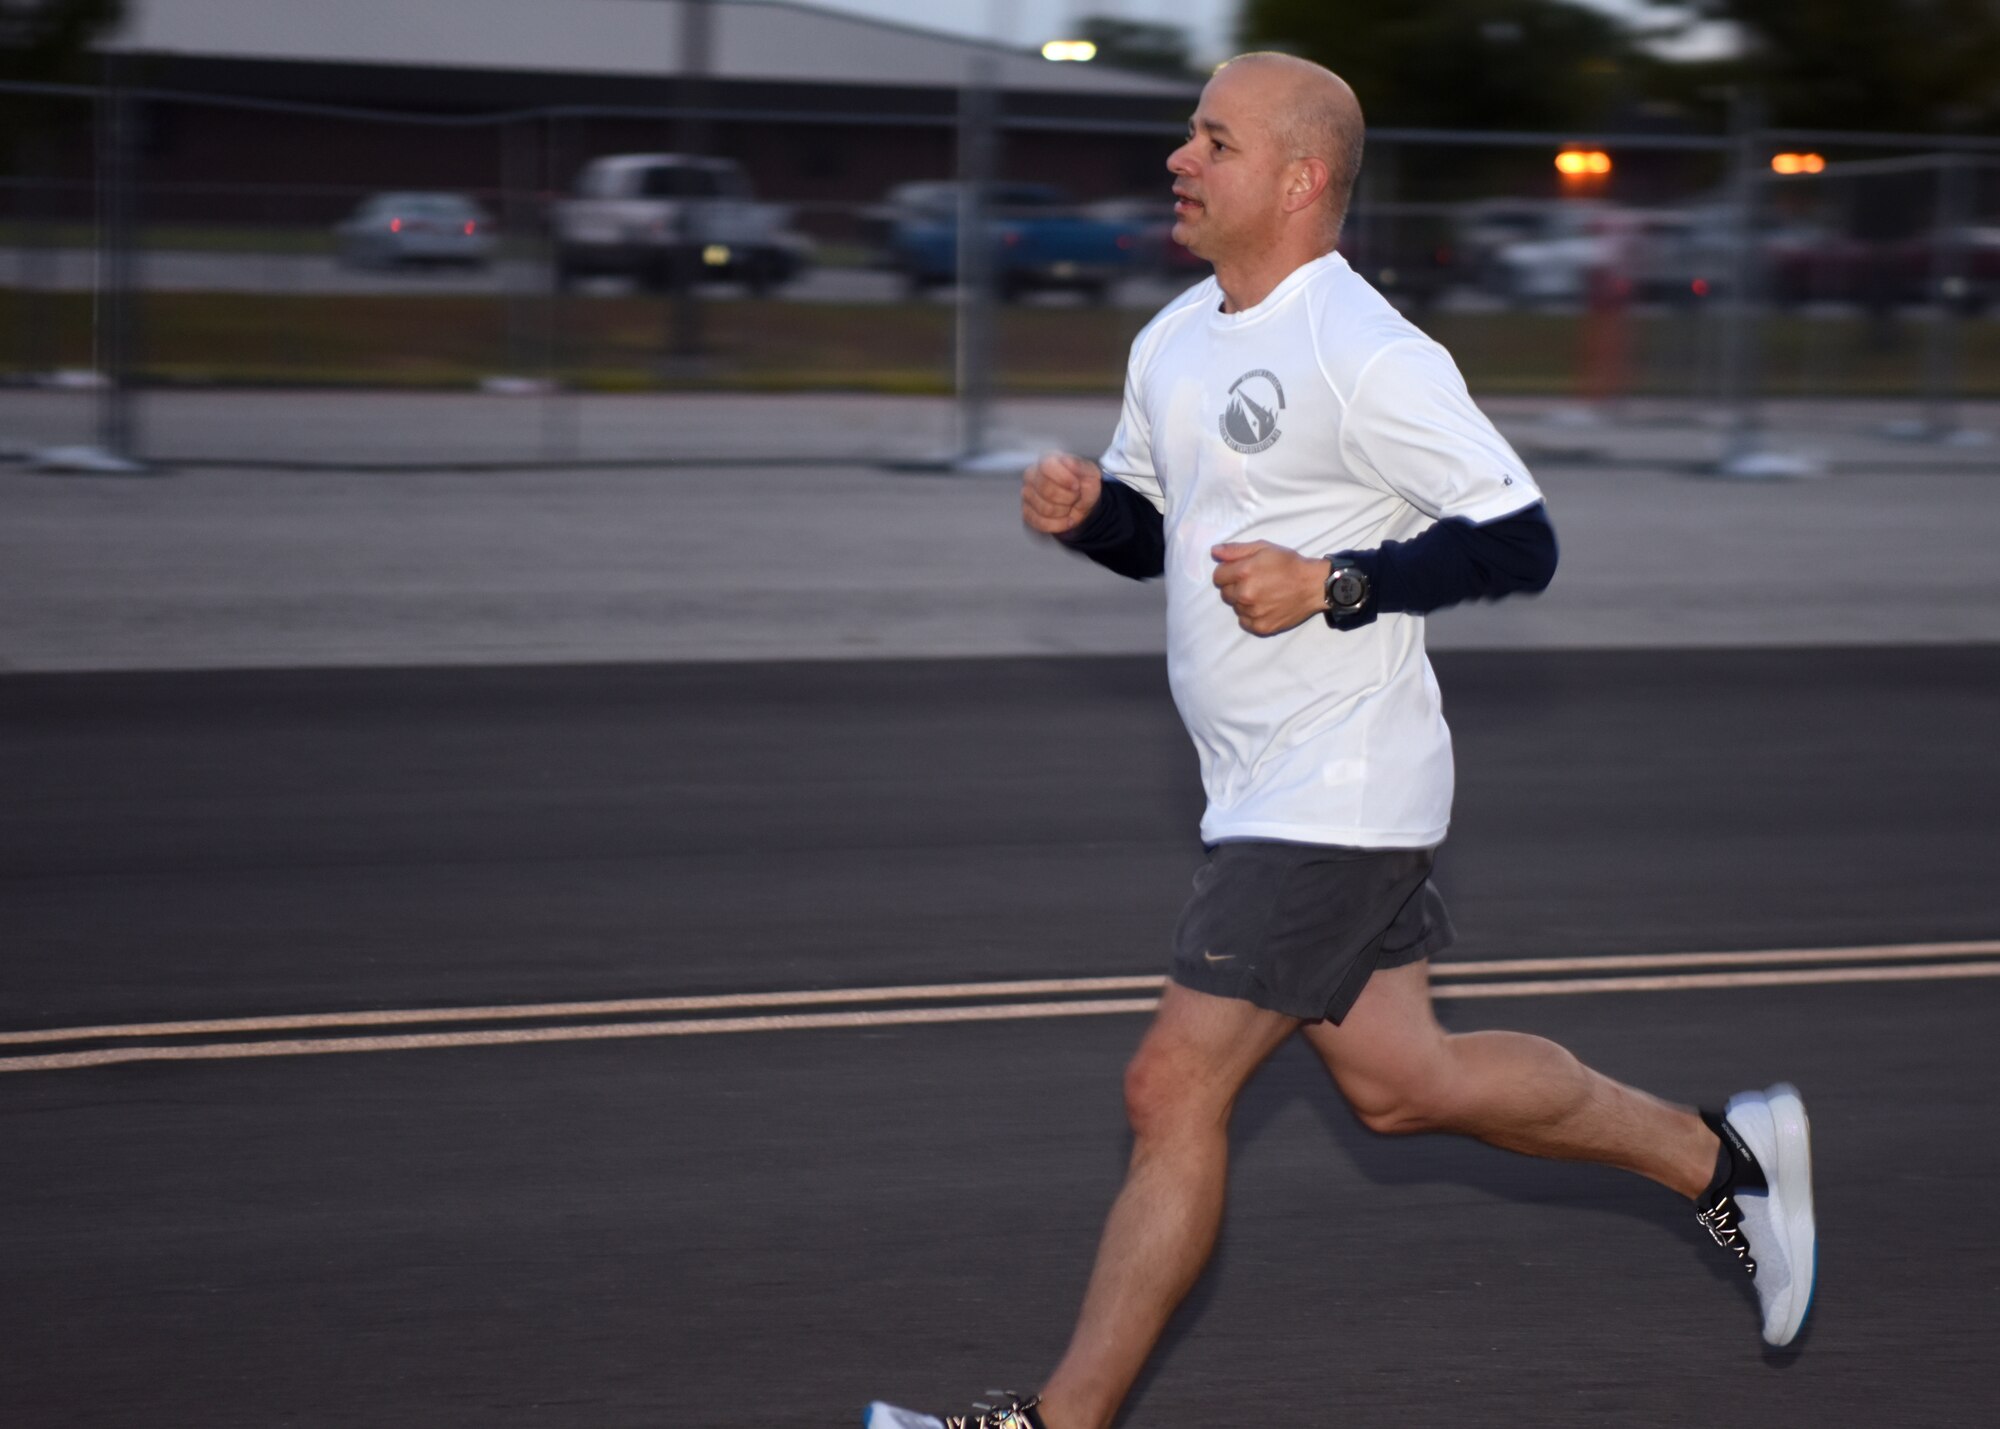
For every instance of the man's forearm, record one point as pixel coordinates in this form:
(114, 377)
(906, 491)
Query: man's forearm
(1454, 561)
(1124, 533)
(1450, 562)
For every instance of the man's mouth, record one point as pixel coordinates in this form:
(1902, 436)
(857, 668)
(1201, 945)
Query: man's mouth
(1184, 205)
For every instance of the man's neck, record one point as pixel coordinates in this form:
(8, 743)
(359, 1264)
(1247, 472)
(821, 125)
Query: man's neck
(1246, 282)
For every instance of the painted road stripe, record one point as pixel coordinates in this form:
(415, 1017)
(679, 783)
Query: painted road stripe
(998, 1012)
(956, 992)
(1677, 982)
(587, 1032)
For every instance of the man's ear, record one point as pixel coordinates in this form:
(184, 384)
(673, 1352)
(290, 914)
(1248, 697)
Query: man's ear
(1306, 184)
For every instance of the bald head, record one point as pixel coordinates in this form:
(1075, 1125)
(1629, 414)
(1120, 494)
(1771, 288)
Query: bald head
(1312, 113)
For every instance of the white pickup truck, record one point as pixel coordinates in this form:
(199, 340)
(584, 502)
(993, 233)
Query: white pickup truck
(664, 219)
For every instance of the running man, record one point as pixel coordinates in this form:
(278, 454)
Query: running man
(1307, 471)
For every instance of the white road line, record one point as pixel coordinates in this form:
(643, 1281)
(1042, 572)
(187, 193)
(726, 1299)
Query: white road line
(713, 1002)
(1680, 982)
(943, 992)
(1884, 953)
(998, 1012)
(588, 1032)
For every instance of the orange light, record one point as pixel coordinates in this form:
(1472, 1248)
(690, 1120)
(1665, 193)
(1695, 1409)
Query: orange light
(1798, 163)
(395, 225)
(1576, 163)
(469, 227)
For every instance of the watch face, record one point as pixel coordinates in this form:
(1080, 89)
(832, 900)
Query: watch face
(1347, 589)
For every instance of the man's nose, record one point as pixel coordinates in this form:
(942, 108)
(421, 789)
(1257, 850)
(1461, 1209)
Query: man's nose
(1181, 161)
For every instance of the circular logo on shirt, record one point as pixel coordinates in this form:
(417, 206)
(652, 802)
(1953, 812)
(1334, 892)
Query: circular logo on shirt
(1250, 419)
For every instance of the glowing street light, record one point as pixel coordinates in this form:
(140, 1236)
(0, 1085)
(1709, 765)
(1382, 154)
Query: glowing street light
(1583, 163)
(1798, 163)
(1075, 50)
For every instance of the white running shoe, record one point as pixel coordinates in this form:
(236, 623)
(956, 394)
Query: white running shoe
(1009, 1412)
(1765, 1213)
(888, 1416)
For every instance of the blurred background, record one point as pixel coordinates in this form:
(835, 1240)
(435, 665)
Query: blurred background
(1624, 205)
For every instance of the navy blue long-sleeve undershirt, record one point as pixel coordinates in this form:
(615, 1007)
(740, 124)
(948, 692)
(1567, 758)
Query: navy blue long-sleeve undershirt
(1452, 560)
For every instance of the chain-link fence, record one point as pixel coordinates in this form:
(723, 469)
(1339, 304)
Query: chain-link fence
(562, 285)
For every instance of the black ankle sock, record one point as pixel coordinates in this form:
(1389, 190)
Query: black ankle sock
(1736, 1165)
(1725, 1160)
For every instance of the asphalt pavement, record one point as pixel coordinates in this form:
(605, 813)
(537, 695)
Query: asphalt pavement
(768, 1228)
(698, 759)
(727, 556)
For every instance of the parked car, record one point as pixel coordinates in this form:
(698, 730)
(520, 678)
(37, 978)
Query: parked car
(880, 222)
(1812, 262)
(1675, 256)
(1482, 228)
(1040, 240)
(394, 230)
(1913, 267)
(1807, 263)
(1796, 262)
(666, 219)
(1409, 255)
(1586, 251)
(1151, 220)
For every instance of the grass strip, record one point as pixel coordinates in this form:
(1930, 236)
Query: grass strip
(614, 344)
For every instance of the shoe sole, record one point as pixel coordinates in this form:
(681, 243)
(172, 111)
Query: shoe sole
(1792, 1184)
(889, 1416)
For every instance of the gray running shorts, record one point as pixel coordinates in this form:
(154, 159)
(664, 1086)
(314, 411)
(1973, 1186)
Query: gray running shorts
(1298, 928)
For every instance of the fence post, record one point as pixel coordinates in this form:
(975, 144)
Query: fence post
(510, 243)
(1740, 368)
(117, 420)
(560, 415)
(691, 138)
(1744, 450)
(1949, 291)
(39, 209)
(977, 102)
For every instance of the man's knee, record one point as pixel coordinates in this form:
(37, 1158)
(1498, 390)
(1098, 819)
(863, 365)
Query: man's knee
(1402, 1100)
(1388, 1111)
(1164, 1093)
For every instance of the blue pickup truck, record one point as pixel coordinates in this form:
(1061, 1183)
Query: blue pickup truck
(1041, 240)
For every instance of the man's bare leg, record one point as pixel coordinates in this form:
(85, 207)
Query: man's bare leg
(1402, 1072)
(1179, 1092)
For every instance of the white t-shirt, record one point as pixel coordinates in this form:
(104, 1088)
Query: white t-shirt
(1320, 420)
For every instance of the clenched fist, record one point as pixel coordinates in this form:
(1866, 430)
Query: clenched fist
(1271, 588)
(1059, 492)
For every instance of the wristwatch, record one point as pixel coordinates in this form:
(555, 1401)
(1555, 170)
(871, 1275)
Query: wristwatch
(1346, 588)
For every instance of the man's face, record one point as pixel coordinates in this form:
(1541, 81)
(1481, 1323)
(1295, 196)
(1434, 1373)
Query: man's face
(1229, 177)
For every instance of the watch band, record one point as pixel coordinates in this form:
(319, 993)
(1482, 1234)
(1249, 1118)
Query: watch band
(1347, 589)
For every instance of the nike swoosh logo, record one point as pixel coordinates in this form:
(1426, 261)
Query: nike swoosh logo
(1218, 957)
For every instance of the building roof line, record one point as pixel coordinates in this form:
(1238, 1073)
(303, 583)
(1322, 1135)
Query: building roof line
(780, 41)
